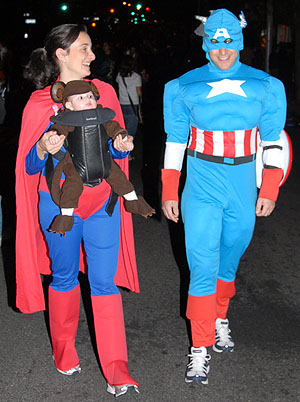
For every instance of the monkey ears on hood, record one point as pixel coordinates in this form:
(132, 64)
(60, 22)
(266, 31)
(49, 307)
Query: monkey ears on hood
(222, 30)
(61, 91)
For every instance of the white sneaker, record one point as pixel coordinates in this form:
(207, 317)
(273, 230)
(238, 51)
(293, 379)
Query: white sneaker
(224, 342)
(198, 367)
(73, 370)
(118, 390)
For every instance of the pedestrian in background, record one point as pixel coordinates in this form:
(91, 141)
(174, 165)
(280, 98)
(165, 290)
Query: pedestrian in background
(130, 92)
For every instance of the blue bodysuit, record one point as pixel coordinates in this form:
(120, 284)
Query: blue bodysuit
(218, 201)
(216, 115)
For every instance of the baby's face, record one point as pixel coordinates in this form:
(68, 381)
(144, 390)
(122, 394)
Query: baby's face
(81, 101)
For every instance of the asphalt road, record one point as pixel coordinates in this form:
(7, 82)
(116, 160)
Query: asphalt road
(264, 316)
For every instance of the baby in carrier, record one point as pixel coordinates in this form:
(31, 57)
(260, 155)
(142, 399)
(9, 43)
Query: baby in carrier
(87, 128)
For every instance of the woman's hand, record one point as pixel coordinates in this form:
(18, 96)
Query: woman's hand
(44, 145)
(123, 144)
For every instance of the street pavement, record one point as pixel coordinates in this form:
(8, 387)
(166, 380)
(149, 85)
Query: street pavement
(264, 315)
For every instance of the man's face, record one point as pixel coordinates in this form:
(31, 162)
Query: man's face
(224, 59)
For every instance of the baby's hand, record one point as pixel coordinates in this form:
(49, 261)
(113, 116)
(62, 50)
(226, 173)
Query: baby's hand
(123, 144)
(54, 139)
(128, 143)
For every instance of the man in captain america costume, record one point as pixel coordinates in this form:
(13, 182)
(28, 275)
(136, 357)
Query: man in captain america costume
(215, 112)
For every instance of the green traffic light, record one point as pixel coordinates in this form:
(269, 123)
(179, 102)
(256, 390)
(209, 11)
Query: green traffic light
(63, 7)
(138, 6)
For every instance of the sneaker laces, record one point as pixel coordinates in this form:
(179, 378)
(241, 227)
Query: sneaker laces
(223, 332)
(199, 363)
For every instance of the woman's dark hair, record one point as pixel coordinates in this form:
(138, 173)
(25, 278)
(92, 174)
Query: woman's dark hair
(42, 68)
(127, 66)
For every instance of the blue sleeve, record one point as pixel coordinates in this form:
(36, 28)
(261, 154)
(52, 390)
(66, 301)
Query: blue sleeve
(33, 163)
(176, 114)
(273, 115)
(114, 153)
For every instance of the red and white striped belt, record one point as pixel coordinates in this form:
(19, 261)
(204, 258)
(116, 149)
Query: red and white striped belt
(229, 147)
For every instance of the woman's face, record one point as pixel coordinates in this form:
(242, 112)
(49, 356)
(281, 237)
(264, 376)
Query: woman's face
(75, 63)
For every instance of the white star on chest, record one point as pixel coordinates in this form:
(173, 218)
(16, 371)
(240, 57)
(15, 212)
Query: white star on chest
(226, 86)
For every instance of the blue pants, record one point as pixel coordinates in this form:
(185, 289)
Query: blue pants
(218, 210)
(100, 234)
(130, 119)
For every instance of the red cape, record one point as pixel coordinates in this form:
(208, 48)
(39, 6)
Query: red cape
(31, 249)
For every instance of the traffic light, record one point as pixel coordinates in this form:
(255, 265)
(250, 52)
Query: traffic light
(93, 24)
(138, 6)
(112, 10)
(64, 7)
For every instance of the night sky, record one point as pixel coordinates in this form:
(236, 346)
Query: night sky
(180, 13)
(47, 12)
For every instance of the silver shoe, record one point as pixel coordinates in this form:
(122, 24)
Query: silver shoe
(118, 390)
(73, 370)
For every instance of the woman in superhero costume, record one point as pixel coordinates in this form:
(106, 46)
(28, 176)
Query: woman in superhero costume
(215, 112)
(108, 240)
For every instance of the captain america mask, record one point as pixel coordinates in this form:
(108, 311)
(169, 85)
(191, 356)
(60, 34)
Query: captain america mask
(223, 30)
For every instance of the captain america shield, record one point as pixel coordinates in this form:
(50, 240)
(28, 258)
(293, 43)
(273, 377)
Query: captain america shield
(287, 158)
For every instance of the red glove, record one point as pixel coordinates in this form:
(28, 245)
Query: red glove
(170, 183)
(271, 179)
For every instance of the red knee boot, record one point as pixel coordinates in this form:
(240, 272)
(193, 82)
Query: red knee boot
(201, 311)
(64, 308)
(111, 341)
(225, 291)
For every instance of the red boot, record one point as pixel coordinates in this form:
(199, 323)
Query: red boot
(201, 311)
(111, 342)
(225, 291)
(64, 310)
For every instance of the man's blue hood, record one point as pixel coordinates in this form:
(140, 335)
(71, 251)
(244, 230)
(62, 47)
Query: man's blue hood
(223, 30)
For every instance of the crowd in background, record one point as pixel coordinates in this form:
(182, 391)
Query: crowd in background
(161, 52)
